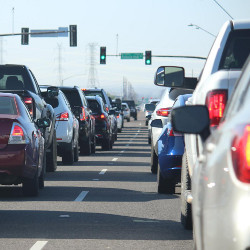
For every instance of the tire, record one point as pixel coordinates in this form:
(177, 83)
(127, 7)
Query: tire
(42, 175)
(164, 186)
(106, 144)
(68, 155)
(76, 152)
(31, 186)
(85, 147)
(128, 119)
(135, 118)
(93, 146)
(146, 123)
(154, 160)
(119, 130)
(51, 156)
(186, 208)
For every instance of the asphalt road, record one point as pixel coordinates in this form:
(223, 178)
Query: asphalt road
(105, 201)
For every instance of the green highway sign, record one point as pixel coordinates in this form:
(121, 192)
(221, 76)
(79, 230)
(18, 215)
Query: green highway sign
(131, 55)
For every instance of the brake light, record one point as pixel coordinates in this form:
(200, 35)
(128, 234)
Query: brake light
(29, 103)
(107, 109)
(83, 115)
(241, 154)
(163, 112)
(17, 135)
(216, 102)
(62, 116)
(84, 89)
(100, 117)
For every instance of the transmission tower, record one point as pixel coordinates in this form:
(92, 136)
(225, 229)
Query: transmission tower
(92, 79)
(59, 63)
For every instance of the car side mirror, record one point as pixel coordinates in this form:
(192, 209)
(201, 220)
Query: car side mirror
(191, 120)
(174, 77)
(52, 92)
(150, 107)
(157, 123)
(77, 110)
(43, 123)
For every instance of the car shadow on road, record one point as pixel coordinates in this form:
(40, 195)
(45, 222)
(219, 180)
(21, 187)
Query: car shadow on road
(85, 225)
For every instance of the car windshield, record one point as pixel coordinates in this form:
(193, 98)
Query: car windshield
(73, 98)
(7, 105)
(236, 50)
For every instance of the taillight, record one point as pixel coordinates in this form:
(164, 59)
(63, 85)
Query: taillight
(163, 112)
(100, 117)
(241, 155)
(170, 132)
(29, 103)
(17, 135)
(107, 109)
(83, 115)
(84, 89)
(62, 116)
(216, 101)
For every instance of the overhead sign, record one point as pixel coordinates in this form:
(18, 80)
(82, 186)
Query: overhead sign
(61, 32)
(131, 55)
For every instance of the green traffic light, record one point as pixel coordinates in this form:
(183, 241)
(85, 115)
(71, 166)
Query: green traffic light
(102, 57)
(148, 61)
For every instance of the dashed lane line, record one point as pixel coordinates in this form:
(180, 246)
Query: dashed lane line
(103, 171)
(81, 196)
(39, 245)
(115, 159)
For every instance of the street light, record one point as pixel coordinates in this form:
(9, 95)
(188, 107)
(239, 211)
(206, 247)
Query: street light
(198, 27)
(71, 77)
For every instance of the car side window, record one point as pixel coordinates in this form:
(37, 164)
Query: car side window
(66, 100)
(37, 89)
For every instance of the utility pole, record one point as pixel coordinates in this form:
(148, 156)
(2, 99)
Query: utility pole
(1, 50)
(60, 64)
(92, 79)
(13, 19)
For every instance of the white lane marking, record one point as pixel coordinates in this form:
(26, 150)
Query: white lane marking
(39, 245)
(122, 151)
(81, 196)
(139, 124)
(146, 221)
(64, 216)
(95, 179)
(115, 159)
(104, 170)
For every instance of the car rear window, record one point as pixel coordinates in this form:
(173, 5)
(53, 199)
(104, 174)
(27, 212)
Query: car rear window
(95, 106)
(236, 50)
(94, 93)
(7, 105)
(73, 97)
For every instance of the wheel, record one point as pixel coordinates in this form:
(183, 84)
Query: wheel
(149, 137)
(51, 155)
(93, 145)
(85, 147)
(154, 160)
(68, 155)
(31, 186)
(164, 186)
(128, 119)
(119, 130)
(146, 122)
(135, 118)
(76, 152)
(42, 175)
(186, 208)
(106, 144)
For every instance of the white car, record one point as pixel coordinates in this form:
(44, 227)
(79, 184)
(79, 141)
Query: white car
(221, 177)
(126, 111)
(66, 126)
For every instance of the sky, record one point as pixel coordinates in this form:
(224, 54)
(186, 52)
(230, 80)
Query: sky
(131, 26)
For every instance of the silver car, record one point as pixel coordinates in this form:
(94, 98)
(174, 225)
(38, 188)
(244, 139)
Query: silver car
(221, 177)
(67, 127)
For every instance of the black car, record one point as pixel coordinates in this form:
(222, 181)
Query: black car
(102, 124)
(81, 110)
(133, 111)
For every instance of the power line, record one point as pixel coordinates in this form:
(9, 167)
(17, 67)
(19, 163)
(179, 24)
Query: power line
(223, 9)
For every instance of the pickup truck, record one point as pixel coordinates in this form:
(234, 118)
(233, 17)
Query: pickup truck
(19, 79)
(215, 85)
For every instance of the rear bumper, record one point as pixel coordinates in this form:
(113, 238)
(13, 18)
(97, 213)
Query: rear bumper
(170, 167)
(16, 163)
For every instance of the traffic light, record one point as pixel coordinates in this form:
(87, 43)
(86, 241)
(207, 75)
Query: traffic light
(25, 36)
(148, 57)
(102, 55)
(72, 35)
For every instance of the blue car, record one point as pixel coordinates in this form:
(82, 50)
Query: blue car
(170, 151)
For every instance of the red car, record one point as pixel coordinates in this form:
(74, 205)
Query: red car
(22, 158)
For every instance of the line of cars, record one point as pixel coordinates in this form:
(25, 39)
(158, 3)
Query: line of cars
(214, 123)
(41, 122)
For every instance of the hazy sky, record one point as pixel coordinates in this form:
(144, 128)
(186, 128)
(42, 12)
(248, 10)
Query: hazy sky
(157, 25)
